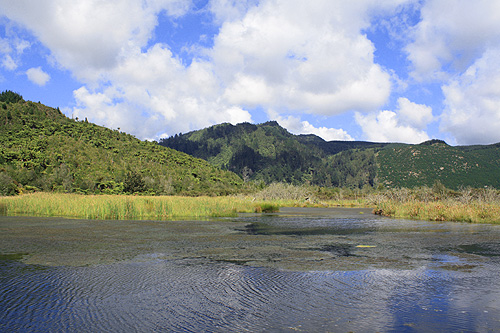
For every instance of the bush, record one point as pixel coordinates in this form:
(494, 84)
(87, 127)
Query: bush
(282, 191)
(7, 185)
(134, 183)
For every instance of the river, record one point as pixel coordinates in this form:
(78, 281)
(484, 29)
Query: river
(310, 270)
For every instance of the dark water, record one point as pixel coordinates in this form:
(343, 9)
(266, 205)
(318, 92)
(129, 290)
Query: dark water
(300, 270)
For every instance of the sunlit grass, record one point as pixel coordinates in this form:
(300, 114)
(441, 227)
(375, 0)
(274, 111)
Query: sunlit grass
(446, 210)
(128, 207)
(473, 206)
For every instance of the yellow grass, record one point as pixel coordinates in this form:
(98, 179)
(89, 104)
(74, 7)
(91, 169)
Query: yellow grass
(127, 207)
(444, 210)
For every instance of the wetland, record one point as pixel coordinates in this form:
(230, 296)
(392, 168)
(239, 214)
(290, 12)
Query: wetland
(300, 269)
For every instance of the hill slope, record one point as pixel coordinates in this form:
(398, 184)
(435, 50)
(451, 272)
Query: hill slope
(269, 153)
(42, 148)
(455, 167)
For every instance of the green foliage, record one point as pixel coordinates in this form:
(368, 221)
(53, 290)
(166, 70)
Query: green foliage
(134, 183)
(42, 149)
(8, 96)
(268, 153)
(7, 185)
(434, 161)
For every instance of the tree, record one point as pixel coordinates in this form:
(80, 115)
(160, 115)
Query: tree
(8, 96)
(134, 182)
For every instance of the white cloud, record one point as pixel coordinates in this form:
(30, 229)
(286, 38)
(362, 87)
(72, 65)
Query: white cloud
(451, 35)
(9, 63)
(90, 36)
(38, 76)
(296, 126)
(289, 55)
(415, 115)
(407, 124)
(472, 102)
(4, 46)
(155, 90)
(11, 49)
(230, 10)
(457, 43)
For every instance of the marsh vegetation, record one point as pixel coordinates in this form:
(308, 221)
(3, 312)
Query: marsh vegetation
(435, 203)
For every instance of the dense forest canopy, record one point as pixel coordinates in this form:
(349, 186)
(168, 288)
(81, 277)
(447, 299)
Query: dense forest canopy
(41, 149)
(268, 153)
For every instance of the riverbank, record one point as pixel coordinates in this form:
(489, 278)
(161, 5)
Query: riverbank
(119, 207)
(473, 212)
(471, 206)
(467, 205)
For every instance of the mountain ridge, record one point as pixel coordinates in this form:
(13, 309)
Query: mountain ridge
(267, 152)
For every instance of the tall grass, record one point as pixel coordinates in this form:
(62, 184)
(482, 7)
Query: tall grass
(466, 205)
(127, 207)
(436, 204)
(287, 195)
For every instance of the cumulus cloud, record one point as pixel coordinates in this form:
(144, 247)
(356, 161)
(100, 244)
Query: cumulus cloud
(164, 91)
(88, 37)
(230, 10)
(457, 43)
(296, 126)
(284, 55)
(38, 76)
(472, 102)
(415, 115)
(289, 55)
(451, 35)
(406, 124)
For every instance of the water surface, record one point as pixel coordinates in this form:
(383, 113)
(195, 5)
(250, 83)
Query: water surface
(306, 270)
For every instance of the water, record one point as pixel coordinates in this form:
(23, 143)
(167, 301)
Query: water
(311, 270)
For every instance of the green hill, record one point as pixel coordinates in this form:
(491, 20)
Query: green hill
(43, 149)
(454, 167)
(269, 153)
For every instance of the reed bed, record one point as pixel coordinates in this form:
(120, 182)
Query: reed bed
(112, 207)
(473, 212)
(466, 205)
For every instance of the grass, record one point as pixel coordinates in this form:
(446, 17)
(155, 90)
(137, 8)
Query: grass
(440, 204)
(448, 210)
(434, 204)
(116, 207)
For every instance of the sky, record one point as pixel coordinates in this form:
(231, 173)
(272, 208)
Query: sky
(383, 71)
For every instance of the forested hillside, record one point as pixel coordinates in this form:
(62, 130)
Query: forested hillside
(41, 149)
(269, 153)
(454, 167)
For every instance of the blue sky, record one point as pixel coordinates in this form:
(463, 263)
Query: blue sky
(391, 71)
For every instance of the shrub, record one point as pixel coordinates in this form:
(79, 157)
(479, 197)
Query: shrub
(282, 191)
(7, 185)
(133, 183)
